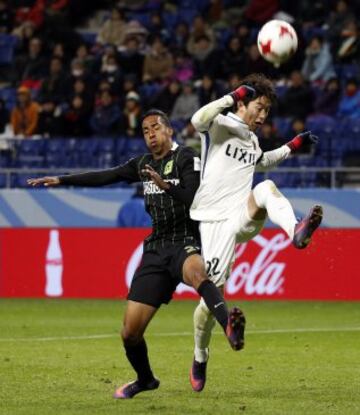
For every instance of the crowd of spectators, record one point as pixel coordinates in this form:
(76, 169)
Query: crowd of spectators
(152, 54)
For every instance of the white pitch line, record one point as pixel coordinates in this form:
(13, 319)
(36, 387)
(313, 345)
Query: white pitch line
(183, 333)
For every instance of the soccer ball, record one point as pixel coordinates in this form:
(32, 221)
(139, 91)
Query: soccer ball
(277, 41)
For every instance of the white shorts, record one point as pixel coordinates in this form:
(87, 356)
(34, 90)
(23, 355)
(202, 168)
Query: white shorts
(218, 241)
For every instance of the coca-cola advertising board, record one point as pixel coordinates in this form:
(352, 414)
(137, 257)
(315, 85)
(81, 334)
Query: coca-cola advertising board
(99, 263)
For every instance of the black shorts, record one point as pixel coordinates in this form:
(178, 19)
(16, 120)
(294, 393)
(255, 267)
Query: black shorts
(159, 272)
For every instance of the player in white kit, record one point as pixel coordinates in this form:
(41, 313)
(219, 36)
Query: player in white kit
(227, 208)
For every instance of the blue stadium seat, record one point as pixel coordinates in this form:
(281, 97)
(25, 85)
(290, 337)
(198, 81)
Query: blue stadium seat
(282, 124)
(135, 147)
(7, 48)
(9, 96)
(106, 145)
(31, 146)
(3, 180)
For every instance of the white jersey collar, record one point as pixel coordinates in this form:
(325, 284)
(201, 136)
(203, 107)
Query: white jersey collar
(237, 118)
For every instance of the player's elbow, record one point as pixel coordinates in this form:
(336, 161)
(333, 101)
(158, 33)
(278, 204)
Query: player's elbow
(197, 122)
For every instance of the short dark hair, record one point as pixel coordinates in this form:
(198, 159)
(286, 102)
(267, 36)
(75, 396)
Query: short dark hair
(262, 85)
(160, 113)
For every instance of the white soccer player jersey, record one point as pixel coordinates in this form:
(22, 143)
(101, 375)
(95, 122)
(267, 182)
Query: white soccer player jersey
(229, 155)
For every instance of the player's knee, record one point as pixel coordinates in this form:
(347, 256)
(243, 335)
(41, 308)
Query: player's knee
(130, 337)
(196, 278)
(262, 190)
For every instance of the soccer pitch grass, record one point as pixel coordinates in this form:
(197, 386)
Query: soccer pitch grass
(65, 357)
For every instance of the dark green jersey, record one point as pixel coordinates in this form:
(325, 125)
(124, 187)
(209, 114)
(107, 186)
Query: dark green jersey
(169, 210)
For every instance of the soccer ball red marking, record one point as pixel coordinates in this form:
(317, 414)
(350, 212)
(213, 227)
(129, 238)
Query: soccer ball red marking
(285, 31)
(265, 47)
(277, 41)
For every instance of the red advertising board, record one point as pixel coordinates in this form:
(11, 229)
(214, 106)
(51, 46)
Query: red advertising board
(99, 263)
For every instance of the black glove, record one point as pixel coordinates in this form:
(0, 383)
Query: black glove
(303, 139)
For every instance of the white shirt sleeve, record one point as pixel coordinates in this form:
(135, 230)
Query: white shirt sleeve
(271, 159)
(203, 118)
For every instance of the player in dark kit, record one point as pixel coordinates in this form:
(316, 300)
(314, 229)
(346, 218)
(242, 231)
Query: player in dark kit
(170, 176)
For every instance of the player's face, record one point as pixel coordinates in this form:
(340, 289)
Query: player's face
(256, 112)
(157, 135)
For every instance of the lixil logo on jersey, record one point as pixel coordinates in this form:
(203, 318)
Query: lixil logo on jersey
(240, 154)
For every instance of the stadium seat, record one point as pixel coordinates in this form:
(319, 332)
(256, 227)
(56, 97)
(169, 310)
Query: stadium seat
(135, 147)
(9, 96)
(7, 48)
(106, 145)
(3, 180)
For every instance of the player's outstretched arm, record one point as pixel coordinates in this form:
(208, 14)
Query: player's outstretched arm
(203, 118)
(127, 172)
(271, 159)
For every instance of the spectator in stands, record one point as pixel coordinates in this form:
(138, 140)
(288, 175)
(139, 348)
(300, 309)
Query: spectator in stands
(106, 117)
(200, 29)
(158, 63)
(233, 59)
(50, 120)
(297, 101)
(24, 32)
(269, 138)
(131, 116)
(130, 83)
(112, 72)
(255, 63)
(78, 71)
(209, 90)
(233, 82)
(180, 36)
(25, 115)
(349, 105)
(32, 67)
(338, 17)
(81, 89)
(132, 213)
(4, 116)
(6, 17)
(113, 30)
(260, 11)
(132, 61)
(166, 97)
(157, 26)
(328, 100)
(186, 104)
(318, 65)
(76, 119)
(190, 137)
(52, 87)
(349, 44)
(82, 53)
(135, 29)
(183, 67)
(206, 59)
(58, 51)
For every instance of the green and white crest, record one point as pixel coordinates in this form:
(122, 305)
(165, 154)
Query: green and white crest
(168, 167)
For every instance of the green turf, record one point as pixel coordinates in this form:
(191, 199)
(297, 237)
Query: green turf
(314, 370)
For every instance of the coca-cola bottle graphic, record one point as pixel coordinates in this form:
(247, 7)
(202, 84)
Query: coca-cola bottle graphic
(54, 266)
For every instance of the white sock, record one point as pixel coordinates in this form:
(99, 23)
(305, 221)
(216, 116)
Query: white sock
(267, 196)
(204, 322)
